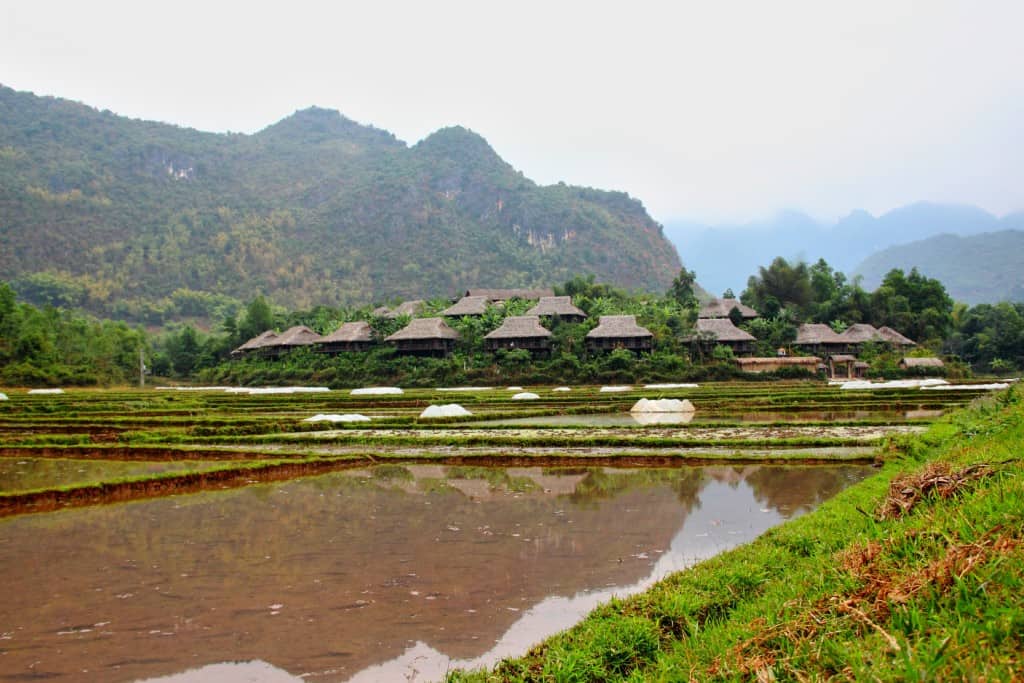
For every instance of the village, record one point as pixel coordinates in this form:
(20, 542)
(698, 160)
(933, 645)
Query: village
(817, 350)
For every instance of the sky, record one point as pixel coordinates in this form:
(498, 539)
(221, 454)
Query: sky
(715, 111)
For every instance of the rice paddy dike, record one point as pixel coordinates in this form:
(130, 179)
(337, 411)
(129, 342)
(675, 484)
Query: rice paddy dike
(87, 447)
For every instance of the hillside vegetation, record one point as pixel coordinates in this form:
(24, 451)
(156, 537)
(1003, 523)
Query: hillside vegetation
(150, 222)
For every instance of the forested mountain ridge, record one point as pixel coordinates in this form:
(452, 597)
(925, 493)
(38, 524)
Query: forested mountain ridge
(976, 269)
(147, 220)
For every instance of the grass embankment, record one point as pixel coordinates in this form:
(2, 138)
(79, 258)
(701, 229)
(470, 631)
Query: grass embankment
(914, 574)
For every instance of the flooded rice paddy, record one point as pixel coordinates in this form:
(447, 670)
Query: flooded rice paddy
(421, 545)
(390, 573)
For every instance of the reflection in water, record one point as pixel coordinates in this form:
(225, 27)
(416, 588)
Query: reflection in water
(707, 416)
(388, 574)
(662, 418)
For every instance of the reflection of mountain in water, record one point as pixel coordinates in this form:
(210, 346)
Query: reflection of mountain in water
(330, 575)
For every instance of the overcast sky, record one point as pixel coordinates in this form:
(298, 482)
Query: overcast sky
(706, 110)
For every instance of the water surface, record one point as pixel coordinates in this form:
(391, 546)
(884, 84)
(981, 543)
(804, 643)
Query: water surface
(396, 573)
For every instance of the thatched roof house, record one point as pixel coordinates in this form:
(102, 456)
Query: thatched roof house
(775, 363)
(425, 336)
(720, 308)
(409, 308)
(922, 363)
(819, 338)
(292, 338)
(893, 337)
(712, 331)
(861, 333)
(467, 306)
(502, 295)
(353, 336)
(560, 306)
(256, 344)
(519, 332)
(619, 332)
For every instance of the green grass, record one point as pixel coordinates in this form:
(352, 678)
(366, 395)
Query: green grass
(842, 593)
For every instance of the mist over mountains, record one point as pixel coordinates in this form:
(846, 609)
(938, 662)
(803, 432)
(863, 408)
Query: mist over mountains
(724, 256)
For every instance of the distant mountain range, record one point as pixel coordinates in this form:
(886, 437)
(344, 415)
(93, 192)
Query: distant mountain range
(983, 268)
(133, 218)
(724, 256)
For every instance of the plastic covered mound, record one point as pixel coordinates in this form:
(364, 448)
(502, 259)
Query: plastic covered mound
(465, 388)
(664, 405)
(892, 384)
(375, 391)
(3, 396)
(255, 391)
(561, 389)
(525, 396)
(514, 389)
(446, 410)
(606, 390)
(671, 386)
(46, 391)
(994, 386)
(332, 417)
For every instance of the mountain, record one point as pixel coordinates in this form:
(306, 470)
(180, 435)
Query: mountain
(724, 256)
(140, 219)
(983, 268)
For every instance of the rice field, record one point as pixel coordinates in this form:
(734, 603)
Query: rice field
(84, 447)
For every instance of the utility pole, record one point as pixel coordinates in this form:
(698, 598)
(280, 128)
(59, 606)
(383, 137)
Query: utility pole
(142, 369)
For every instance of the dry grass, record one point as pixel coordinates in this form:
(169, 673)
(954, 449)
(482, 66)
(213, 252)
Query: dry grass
(938, 478)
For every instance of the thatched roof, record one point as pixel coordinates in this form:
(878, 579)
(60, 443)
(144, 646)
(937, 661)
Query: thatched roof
(300, 335)
(722, 330)
(506, 294)
(424, 328)
(410, 308)
(257, 342)
(843, 358)
(519, 327)
(467, 305)
(812, 334)
(618, 326)
(922, 363)
(381, 311)
(861, 332)
(793, 361)
(556, 305)
(720, 308)
(359, 331)
(893, 337)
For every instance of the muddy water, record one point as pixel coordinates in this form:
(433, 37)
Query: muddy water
(387, 574)
(760, 417)
(24, 474)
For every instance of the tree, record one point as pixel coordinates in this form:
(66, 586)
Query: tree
(780, 285)
(682, 289)
(258, 318)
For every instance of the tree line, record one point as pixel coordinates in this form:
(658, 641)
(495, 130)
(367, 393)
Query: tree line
(54, 345)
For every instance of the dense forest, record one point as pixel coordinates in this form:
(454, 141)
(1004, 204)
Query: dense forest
(150, 223)
(59, 346)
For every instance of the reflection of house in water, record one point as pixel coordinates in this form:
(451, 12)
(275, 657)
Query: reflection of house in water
(331, 575)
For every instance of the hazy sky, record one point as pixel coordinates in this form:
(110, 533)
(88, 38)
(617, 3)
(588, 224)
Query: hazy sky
(713, 110)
